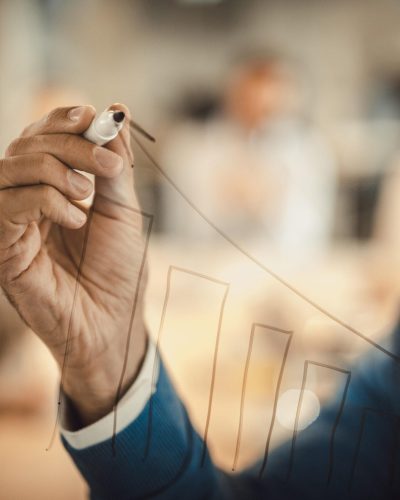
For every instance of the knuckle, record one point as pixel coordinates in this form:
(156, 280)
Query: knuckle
(13, 147)
(48, 195)
(76, 146)
(38, 164)
(45, 158)
(57, 143)
(6, 176)
(21, 145)
(42, 161)
(52, 202)
(54, 115)
(70, 141)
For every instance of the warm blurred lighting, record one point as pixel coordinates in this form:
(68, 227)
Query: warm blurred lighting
(280, 121)
(287, 407)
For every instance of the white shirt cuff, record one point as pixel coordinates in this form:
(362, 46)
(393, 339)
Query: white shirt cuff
(129, 407)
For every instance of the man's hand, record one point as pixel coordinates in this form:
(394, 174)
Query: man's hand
(42, 237)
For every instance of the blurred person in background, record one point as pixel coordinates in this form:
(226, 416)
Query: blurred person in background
(257, 168)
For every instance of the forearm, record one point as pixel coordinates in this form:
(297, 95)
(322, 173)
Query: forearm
(94, 390)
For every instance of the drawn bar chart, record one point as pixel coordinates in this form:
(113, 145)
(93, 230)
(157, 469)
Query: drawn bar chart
(261, 330)
(393, 448)
(269, 271)
(173, 270)
(149, 218)
(347, 373)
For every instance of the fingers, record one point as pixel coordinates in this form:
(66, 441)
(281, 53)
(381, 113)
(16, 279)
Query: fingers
(17, 258)
(71, 120)
(42, 168)
(21, 206)
(71, 150)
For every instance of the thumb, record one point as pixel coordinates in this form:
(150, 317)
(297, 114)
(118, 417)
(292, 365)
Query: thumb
(120, 189)
(70, 120)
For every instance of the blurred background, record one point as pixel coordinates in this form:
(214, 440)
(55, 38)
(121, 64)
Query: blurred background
(280, 122)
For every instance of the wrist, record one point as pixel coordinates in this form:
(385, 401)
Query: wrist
(94, 391)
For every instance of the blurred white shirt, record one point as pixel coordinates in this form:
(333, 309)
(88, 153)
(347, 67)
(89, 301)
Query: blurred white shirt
(276, 184)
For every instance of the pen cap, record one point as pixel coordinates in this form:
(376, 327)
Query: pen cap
(104, 128)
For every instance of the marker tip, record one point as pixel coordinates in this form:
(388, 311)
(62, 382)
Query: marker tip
(119, 116)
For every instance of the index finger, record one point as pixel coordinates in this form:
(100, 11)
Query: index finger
(69, 120)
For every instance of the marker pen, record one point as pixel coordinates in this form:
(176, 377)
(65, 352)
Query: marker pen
(105, 127)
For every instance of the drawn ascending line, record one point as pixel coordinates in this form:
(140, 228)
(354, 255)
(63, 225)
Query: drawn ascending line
(256, 261)
(336, 423)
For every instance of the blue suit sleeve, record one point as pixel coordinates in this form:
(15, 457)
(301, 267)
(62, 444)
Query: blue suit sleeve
(360, 458)
(163, 463)
(362, 454)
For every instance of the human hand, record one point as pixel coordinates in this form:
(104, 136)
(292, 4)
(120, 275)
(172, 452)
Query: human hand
(42, 237)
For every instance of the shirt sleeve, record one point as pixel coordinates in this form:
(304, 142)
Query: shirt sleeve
(129, 407)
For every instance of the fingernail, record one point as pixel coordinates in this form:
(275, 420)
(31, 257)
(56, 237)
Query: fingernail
(77, 215)
(76, 114)
(79, 182)
(107, 159)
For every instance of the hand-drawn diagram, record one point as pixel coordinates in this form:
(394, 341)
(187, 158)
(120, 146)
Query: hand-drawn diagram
(347, 373)
(288, 334)
(226, 286)
(393, 422)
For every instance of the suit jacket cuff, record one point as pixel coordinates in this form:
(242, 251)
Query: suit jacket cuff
(129, 407)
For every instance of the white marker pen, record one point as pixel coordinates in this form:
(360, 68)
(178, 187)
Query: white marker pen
(105, 127)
